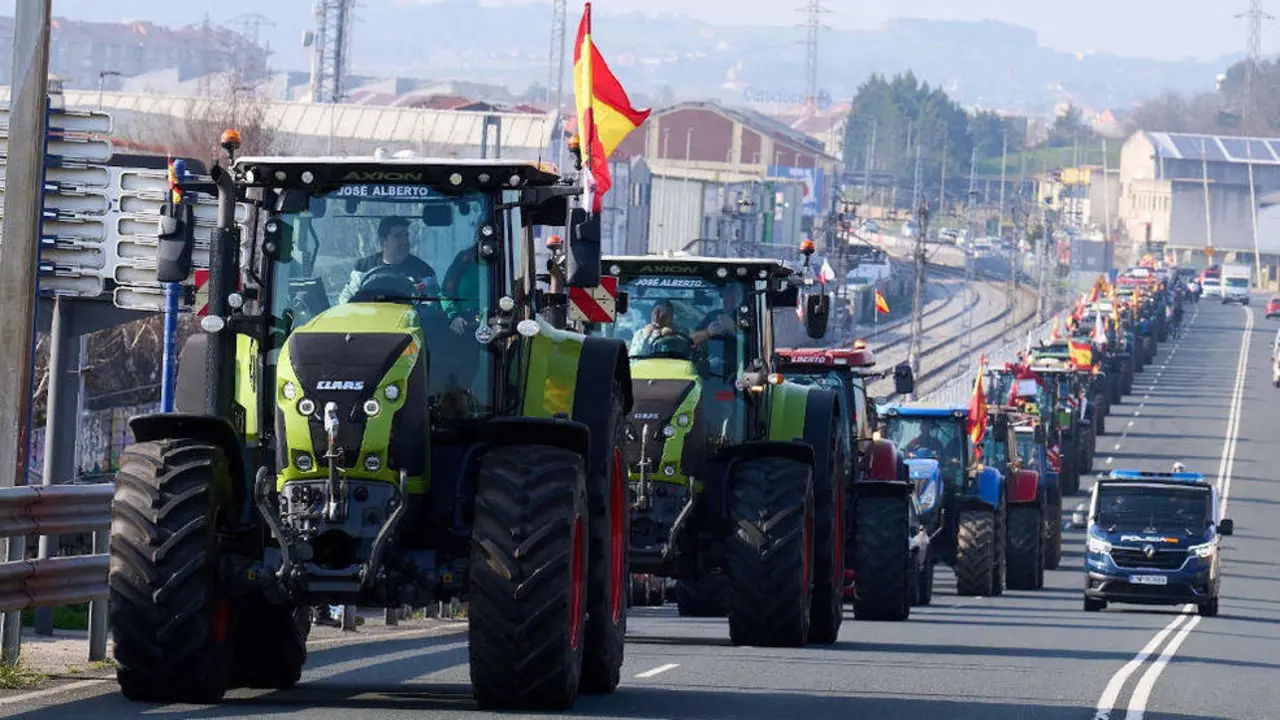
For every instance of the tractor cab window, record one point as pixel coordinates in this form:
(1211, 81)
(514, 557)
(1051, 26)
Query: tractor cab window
(939, 438)
(1028, 451)
(995, 450)
(691, 319)
(399, 244)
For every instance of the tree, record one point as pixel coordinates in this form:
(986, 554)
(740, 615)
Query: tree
(1068, 128)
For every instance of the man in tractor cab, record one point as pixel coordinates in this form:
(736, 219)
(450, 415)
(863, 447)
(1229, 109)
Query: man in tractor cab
(460, 296)
(661, 325)
(393, 237)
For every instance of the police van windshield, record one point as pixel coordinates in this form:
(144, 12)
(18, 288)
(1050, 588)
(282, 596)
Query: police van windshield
(1158, 509)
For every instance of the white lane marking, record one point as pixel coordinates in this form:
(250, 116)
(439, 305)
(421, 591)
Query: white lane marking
(1142, 692)
(36, 695)
(1130, 423)
(1110, 460)
(1228, 463)
(1117, 447)
(658, 670)
(1116, 684)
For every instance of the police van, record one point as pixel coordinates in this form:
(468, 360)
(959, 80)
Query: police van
(1153, 539)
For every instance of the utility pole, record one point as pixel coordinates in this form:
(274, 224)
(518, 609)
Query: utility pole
(555, 84)
(971, 233)
(917, 293)
(1253, 55)
(871, 159)
(19, 256)
(1011, 301)
(812, 25)
(331, 42)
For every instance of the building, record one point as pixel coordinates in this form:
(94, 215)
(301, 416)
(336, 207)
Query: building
(732, 176)
(1196, 195)
(86, 54)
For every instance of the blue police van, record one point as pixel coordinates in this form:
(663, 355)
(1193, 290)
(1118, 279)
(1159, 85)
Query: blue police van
(1153, 539)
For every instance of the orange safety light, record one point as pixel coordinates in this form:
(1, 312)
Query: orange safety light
(554, 241)
(806, 246)
(231, 139)
(859, 344)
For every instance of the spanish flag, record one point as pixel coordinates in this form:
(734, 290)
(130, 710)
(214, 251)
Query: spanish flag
(977, 423)
(605, 115)
(1081, 354)
(882, 306)
(1057, 333)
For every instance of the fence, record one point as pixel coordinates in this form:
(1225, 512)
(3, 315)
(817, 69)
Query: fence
(58, 581)
(958, 390)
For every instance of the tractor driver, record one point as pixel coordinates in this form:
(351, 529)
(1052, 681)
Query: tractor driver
(661, 325)
(393, 237)
(933, 439)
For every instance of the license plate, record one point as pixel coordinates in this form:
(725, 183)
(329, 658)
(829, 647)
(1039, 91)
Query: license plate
(1148, 580)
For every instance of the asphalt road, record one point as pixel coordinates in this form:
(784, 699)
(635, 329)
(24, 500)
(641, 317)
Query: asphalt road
(1023, 655)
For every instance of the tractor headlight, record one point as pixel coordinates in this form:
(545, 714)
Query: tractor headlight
(392, 392)
(683, 420)
(373, 463)
(290, 391)
(307, 407)
(668, 431)
(303, 462)
(371, 407)
(929, 497)
(1203, 551)
(1098, 545)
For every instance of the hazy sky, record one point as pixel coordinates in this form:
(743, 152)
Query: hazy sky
(1164, 29)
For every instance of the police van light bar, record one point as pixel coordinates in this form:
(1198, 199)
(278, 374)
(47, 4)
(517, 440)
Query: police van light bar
(1150, 475)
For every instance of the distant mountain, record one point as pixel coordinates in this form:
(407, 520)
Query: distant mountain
(985, 63)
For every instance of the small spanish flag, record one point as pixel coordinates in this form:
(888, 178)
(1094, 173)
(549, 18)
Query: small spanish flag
(882, 306)
(1081, 354)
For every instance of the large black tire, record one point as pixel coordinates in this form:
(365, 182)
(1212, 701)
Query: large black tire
(703, 596)
(529, 557)
(1053, 538)
(171, 624)
(924, 586)
(1025, 557)
(1069, 475)
(1128, 378)
(826, 611)
(1000, 567)
(271, 644)
(771, 553)
(975, 552)
(882, 559)
(608, 567)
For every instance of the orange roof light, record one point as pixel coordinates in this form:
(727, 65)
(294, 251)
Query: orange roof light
(859, 344)
(573, 142)
(806, 246)
(231, 139)
(554, 241)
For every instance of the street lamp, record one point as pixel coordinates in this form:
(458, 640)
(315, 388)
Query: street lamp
(102, 82)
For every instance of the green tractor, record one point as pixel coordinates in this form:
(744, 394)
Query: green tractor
(354, 429)
(734, 474)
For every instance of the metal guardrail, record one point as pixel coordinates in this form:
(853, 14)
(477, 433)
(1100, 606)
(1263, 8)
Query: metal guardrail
(957, 390)
(35, 510)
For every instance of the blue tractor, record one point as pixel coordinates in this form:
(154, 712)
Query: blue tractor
(967, 521)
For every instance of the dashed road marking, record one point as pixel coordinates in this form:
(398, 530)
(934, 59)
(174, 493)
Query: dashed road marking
(658, 670)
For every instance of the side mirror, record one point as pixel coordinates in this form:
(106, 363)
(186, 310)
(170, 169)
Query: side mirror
(787, 296)
(817, 312)
(1040, 436)
(437, 215)
(1226, 526)
(904, 381)
(584, 251)
(177, 239)
(623, 303)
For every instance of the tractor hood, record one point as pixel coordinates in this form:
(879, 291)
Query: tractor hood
(664, 422)
(360, 357)
(926, 481)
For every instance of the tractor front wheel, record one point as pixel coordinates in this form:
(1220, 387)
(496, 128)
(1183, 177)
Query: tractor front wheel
(703, 596)
(882, 559)
(975, 552)
(171, 625)
(528, 579)
(1025, 556)
(771, 553)
(827, 611)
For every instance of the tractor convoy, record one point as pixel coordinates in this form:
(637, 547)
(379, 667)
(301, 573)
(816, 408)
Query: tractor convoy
(391, 403)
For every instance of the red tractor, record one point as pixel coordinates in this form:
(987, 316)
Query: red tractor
(885, 553)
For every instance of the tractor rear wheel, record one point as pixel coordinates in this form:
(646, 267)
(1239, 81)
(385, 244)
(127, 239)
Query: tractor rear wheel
(703, 596)
(608, 567)
(771, 552)
(1024, 554)
(826, 613)
(528, 579)
(1053, 537)
(271, 644)
(882, 559)
(171, 623)
(975, 552)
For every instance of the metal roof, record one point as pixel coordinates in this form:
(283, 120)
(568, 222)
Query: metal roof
(1216, 148)
(435, 131)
